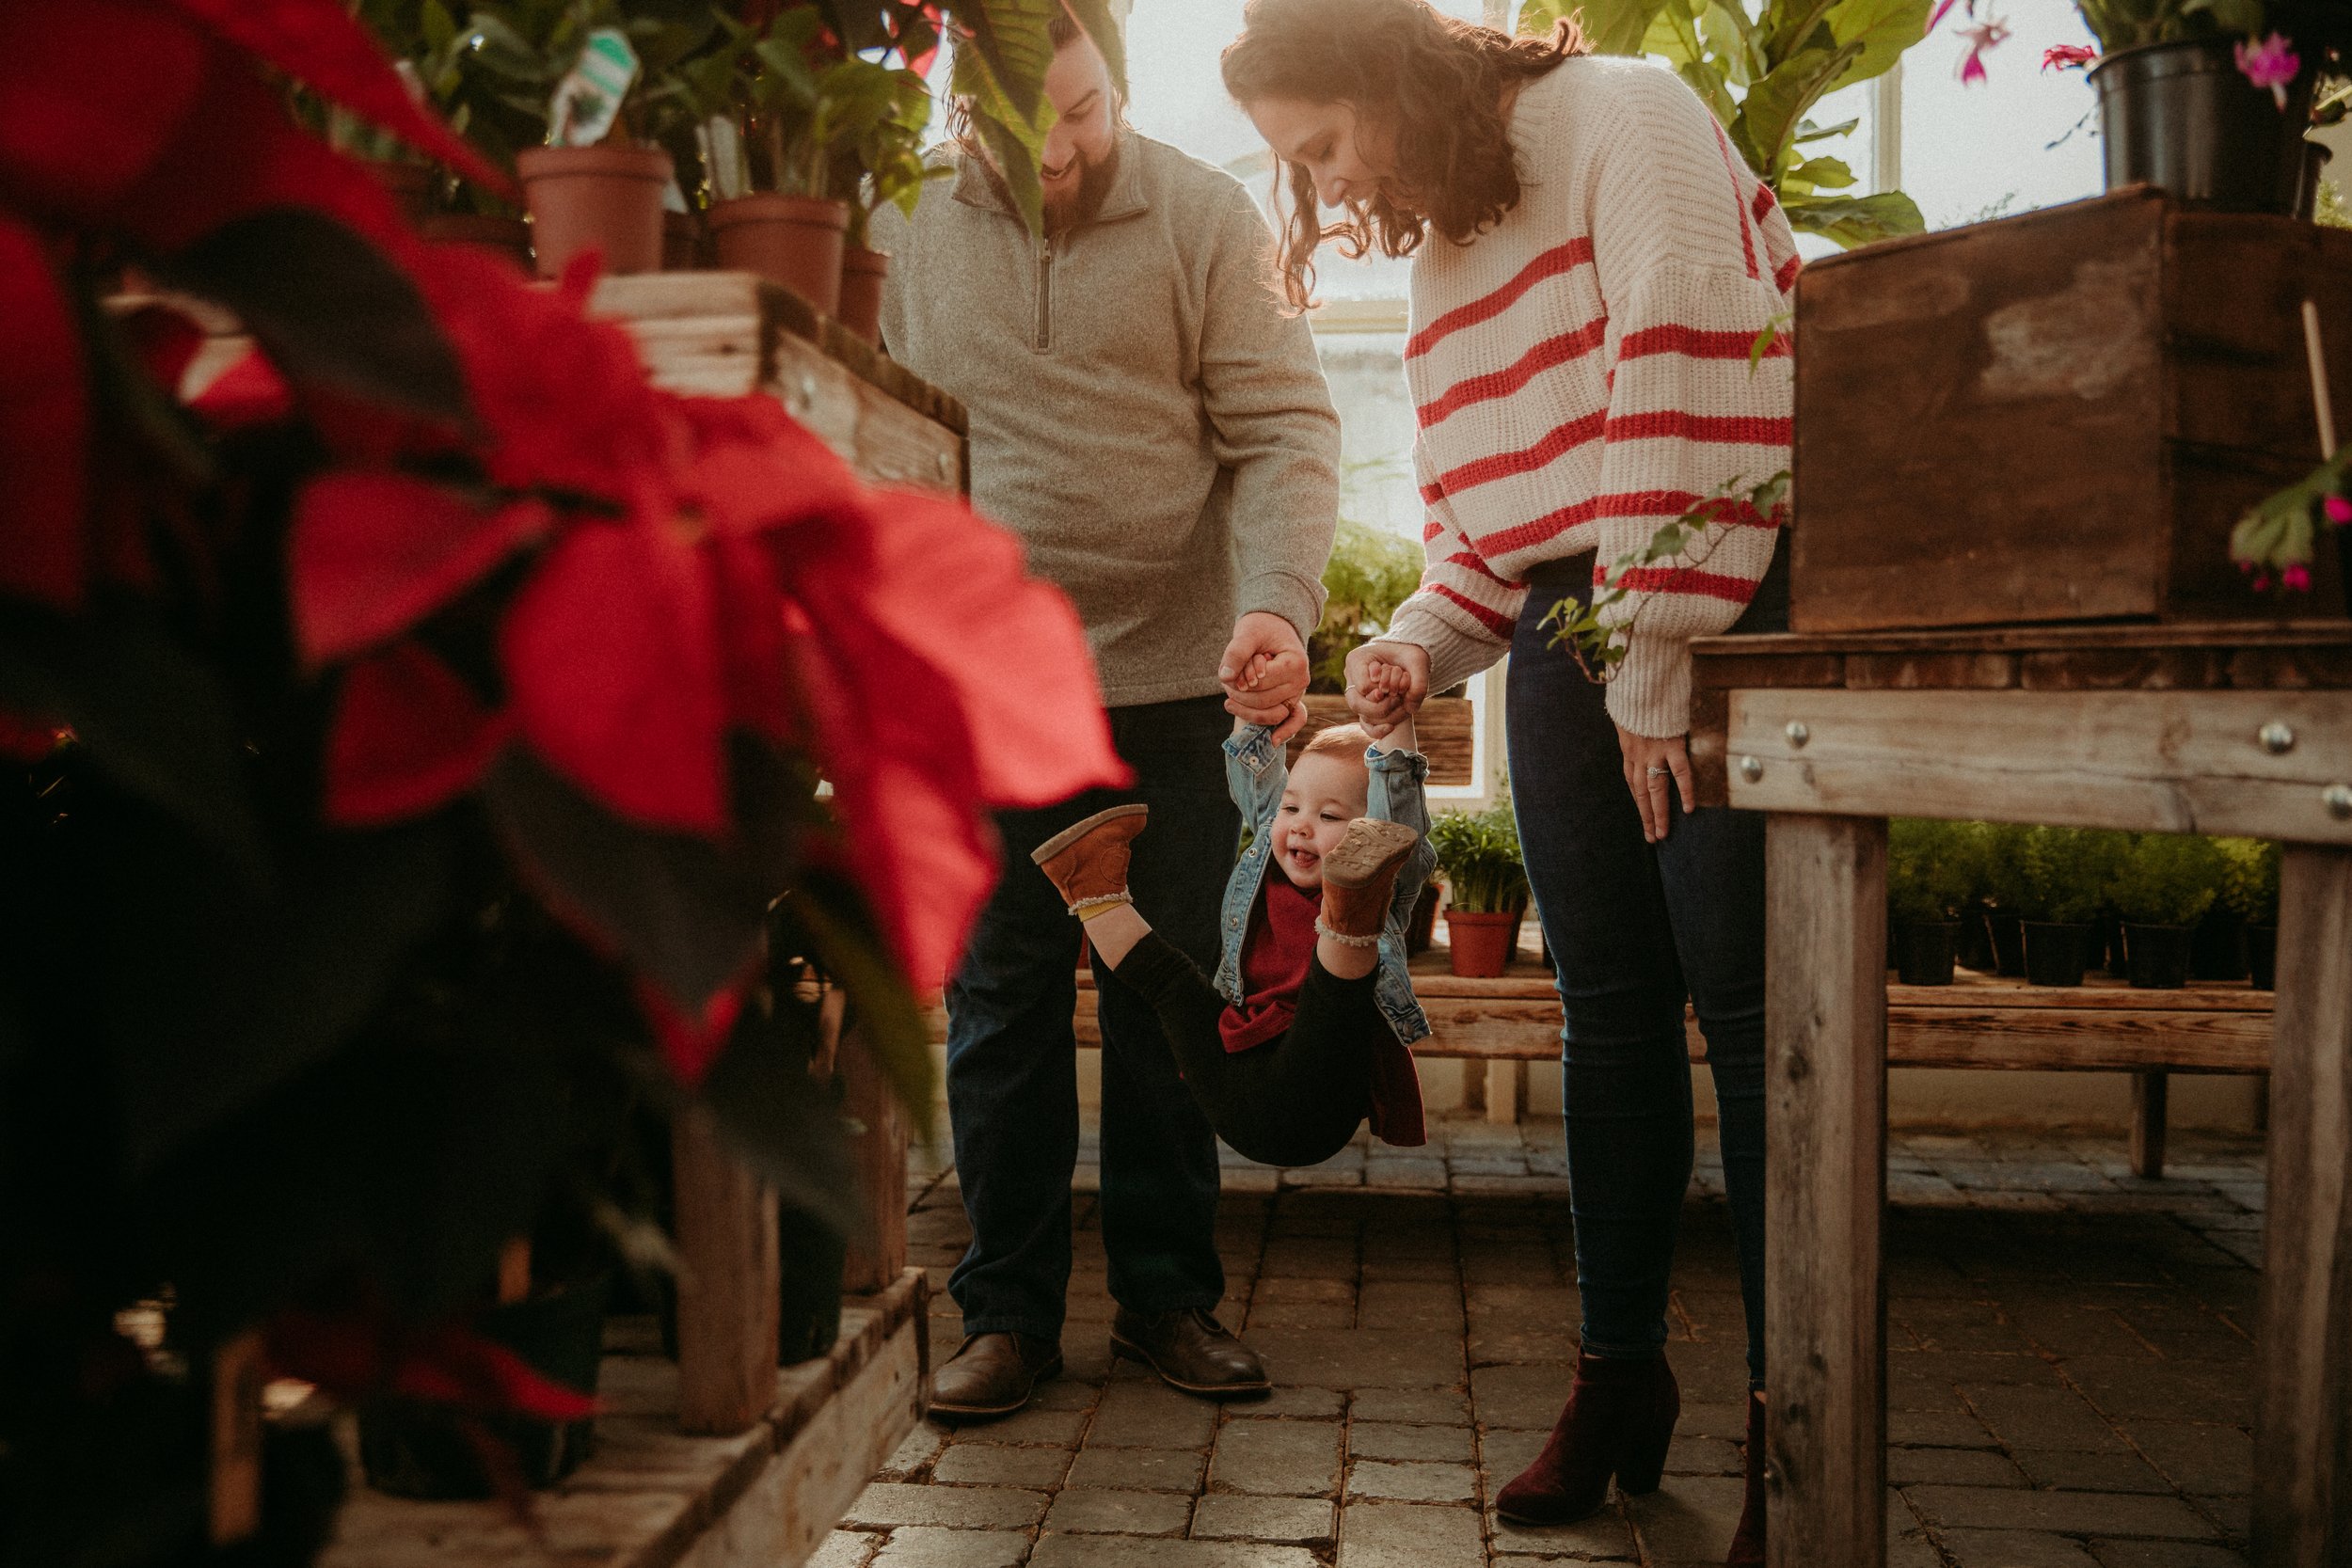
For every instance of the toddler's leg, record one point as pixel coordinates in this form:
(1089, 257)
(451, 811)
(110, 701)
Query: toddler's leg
(1087, 862)
(1358, 881)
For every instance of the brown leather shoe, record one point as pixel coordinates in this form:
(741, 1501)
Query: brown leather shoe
(1359, 876)
(1191, 1351)
(1087, 861)
(992, 1376)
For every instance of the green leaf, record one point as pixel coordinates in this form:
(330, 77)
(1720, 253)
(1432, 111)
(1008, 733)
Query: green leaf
(1808, 131)
(1883, 28)
(1613, 27)
(1768, 116)
(1854, 220)
(835, 929)
(329, 310)
(1817, 174)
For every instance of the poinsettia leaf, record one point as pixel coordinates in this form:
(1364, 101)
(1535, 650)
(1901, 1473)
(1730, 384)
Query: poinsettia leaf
(44, 426)
(151, 717)
(837, 929)
(328, 309)
(684, 910)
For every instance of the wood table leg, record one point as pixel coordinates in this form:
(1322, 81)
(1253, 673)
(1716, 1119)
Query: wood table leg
(2302, 1505)
(2150, 1091)
(1506, 1092)
(878, 1148)
(728, 1306)
(1826, 1112)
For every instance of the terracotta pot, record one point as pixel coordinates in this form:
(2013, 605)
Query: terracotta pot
(602, 199)
(862, 275)
(792, 240)
(508, 237)
(681, 241)
(1481, 943)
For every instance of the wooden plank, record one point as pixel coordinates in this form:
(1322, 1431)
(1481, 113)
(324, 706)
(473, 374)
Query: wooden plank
(729, 1307)
(1444, 730)
(2151, 1093)
(1792, 658)
(1913, 671)
(233, 1509)
(2124, 670)
(1825, 1096)
(2302, 1504)
(878, 1152)
(2187, 762)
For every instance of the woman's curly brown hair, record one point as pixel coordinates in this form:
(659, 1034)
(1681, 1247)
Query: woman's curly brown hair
(1435, 82)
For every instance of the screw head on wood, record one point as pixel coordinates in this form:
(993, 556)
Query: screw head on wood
(946, 465)
(807, 390)
(1751, 768)
(2277, 739)
(1797, 734)
(2338, 799)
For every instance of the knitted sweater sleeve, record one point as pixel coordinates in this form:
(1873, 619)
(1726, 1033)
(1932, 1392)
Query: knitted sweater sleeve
(1691, 252)
(1464, 610)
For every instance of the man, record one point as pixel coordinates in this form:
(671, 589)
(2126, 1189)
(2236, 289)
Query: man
(1159, 432)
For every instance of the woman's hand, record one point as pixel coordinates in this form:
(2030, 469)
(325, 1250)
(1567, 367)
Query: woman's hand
(1387, 683)
(1652, 768)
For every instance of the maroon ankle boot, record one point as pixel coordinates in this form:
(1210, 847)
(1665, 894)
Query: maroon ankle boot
(1747, 1545)
(1619, 1419)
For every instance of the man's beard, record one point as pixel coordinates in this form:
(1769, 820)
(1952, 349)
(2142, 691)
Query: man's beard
(1071, 207)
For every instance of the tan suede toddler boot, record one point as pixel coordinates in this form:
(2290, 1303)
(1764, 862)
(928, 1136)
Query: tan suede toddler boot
(1087, 861)
(1359, 879)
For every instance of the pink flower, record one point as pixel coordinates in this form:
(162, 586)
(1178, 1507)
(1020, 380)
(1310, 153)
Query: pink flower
(2339, 510)
(2067, 56)
(1989, 34)
(2262, 582)
(2271, 63)
(2295, 577)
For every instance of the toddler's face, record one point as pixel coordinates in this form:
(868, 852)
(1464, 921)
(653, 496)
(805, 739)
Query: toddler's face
(1326, 794)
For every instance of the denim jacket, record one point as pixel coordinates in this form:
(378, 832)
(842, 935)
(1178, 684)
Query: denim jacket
(1256, 772)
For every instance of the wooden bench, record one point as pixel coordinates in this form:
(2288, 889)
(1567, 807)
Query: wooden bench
(1978, 1022)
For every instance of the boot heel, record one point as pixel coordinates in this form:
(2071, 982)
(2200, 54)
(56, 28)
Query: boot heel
(1645, 1464)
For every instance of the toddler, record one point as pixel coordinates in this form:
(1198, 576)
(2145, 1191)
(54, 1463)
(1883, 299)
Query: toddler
(1303, 1033)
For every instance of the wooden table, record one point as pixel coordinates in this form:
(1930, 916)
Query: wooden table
(2236, 729)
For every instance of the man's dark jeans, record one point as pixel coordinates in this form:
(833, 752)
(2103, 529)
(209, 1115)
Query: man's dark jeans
(1634, 928)
(1013, 1076)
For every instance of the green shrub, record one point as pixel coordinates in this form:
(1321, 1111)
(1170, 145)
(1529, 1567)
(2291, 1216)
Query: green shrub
(1930, 868)
(2004, 881)
(2064, 875)
(1478, 853)
(2168, 880)
(1370, 572)
(2249, 882)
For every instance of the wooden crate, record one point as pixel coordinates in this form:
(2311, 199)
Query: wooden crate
(2058, 417)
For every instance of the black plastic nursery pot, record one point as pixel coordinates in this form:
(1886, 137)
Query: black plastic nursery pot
(2262, 955)
(1976, 943)
(2057, 954)
(1924, 951)
(421, 1452)
(2106, 953)
(2217, 951)
(2155, 958)
(2182, 116)
(2008, 942)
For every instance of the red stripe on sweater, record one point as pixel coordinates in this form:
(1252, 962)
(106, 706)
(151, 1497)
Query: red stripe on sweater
(1697, 345)
(1551, 264)
(1543, 529)
(1472, 561)
(1681, 579)
(1502, 464)
(1763, 202)
(1786, 278)
(1492, 620)
(1668, 424)
(1550, 354)
(1431, 495)
(1747, 240)
(1430, 530)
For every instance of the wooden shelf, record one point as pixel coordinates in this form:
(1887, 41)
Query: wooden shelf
(653, 1497)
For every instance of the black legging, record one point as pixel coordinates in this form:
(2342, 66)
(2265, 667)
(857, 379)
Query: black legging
(1297, 1099)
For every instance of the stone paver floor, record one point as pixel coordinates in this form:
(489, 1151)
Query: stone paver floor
(2068, 1373)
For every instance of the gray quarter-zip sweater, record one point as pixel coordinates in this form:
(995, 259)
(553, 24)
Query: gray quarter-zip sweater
(1144, 414)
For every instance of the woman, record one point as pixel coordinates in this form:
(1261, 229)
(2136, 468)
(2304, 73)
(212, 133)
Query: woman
(1593, 268)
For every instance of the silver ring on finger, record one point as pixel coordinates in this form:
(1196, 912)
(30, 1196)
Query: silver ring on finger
(1659, 773)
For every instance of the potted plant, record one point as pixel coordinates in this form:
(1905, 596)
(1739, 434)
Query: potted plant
(2064, 873)
(2006, 893)
(2249, 886)
(877, 159)
(2162, 887)
(1923, 886)
(1486, 886)
(2209, 99)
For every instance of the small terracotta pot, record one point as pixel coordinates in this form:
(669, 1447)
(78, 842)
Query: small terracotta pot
(862, 272)
(1481, 943)
(602, 199)
(792, 240)
(681, 241)
(510, 238)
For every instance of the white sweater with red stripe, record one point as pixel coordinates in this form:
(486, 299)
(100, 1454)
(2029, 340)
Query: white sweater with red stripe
(1582, 375)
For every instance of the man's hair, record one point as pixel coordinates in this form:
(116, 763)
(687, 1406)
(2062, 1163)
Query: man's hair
(1340, 740)
(1063, 30)
(1433, 82)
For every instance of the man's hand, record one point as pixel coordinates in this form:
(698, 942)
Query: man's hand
(1387, 683)
(1652, 767)
(1263, 669)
